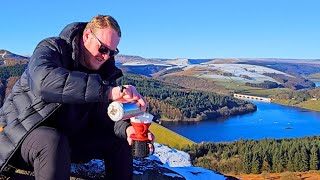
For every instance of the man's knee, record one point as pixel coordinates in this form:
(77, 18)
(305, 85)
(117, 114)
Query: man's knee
(44, 139)
(52, 137)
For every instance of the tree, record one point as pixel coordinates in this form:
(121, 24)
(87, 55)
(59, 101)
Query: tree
(304, 164)
(278, 159)
(256, 163)
(291, 161)
(314, 158)
(247, 159)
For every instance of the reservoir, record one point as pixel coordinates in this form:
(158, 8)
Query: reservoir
(269, 121)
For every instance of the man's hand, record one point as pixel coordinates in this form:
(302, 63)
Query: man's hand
(130, 130)
(129, 94)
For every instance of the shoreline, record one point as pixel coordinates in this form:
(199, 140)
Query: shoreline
(198, 120)
(283, 102)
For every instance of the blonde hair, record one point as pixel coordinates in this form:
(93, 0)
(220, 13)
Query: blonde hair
(104, 21)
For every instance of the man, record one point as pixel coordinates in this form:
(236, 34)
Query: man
(56, 112)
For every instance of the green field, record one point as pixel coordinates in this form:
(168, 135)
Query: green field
(169, 138)
(310, 104)
(242, 89)
(264, 92)
(314, 77)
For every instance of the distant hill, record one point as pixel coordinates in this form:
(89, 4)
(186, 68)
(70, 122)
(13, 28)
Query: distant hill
(290, 66)
(4, 54)
(139, 65)
(122, 59)
(8, 58)
(290, 73)
(11, 67)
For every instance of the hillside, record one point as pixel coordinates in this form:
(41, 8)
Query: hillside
(196, 83)
(167, 137)
(173, 102)
(8, 58)
(288, 73)
(308, 99)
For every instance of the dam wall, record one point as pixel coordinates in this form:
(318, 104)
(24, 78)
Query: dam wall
(256, 98)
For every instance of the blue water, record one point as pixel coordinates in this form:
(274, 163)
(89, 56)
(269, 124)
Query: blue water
(269, 121)
(317, 84)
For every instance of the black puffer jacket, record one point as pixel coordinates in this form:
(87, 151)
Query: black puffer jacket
(52, 78)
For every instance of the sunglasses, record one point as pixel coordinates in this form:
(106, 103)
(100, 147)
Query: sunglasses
(104, 49)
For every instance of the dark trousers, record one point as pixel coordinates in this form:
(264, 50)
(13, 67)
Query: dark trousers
(49, 153)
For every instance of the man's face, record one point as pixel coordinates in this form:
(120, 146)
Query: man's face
(99, 46)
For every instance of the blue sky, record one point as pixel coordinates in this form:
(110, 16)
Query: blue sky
(177, 28)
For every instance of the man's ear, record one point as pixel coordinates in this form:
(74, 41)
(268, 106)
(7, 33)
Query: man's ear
(85, 35)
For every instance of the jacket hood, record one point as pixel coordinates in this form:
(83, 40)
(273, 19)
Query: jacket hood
(72, 30)
(72, 34)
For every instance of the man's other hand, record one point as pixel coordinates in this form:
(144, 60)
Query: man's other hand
(126, 94)
(130, 130)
